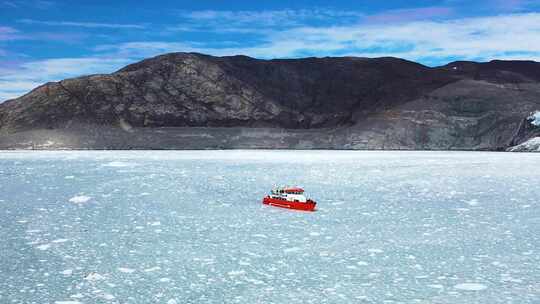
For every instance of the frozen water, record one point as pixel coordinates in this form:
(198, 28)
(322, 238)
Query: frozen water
(80, 199)
(189, 227)
(470, 286)
(126, 270)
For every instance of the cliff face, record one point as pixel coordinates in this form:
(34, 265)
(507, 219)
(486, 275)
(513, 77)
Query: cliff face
(188, 100)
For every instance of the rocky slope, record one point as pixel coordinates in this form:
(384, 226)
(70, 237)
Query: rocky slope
(195, 101)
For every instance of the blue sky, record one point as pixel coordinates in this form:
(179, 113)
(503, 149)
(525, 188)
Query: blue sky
(42, 40)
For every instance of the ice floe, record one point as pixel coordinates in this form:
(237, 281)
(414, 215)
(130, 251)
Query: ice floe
(126, 270)
(470, 286)
(234, 273)
(292, 249)
(119, 164)
(473, 202)
(80, 199)
(43, 246)
(93, 276)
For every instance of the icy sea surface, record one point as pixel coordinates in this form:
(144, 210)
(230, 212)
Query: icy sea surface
(189, 227)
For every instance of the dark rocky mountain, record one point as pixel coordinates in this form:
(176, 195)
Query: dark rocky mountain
(196, 101)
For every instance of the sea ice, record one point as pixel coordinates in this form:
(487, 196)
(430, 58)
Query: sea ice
(44, 247)
(118, 164)
(397, 237)
(292, 249)
(93, 276)
(470, 286)
(80, 199)
(126, 270)
(107, 296)
(473, 202)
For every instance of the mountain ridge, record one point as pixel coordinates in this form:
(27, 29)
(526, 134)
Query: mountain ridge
(358, 103)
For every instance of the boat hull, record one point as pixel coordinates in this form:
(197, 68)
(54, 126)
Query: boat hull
(308, 206)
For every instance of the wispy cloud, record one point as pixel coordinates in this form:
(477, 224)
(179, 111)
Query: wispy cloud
(510, 5)
(17, 80)
(144, 49)
(250, 21)
(10, 34)
(42, 4)
(407, 15)
(8, 4)
(268, 17)
(274, 20)
(481, 38)
(83, 24)
(37, 4)
(7, 33)
(493, 6)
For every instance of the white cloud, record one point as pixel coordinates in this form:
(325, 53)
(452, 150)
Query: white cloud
(7, 33)
(17, 81)
(83, 24)
(506, 36)
(469, 38)
(144, 49)
(251, 21)
(38, 4)
(268, 17)
(410, 14)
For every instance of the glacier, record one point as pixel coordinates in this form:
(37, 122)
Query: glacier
(534, 118)
(189, 227)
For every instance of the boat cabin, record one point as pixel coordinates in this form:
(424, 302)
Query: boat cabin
(288, 190)
(292, 194)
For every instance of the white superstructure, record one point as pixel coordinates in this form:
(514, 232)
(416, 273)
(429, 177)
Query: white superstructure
(291, 194)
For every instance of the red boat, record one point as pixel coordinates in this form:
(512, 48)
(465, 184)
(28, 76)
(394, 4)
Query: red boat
(290, 198)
